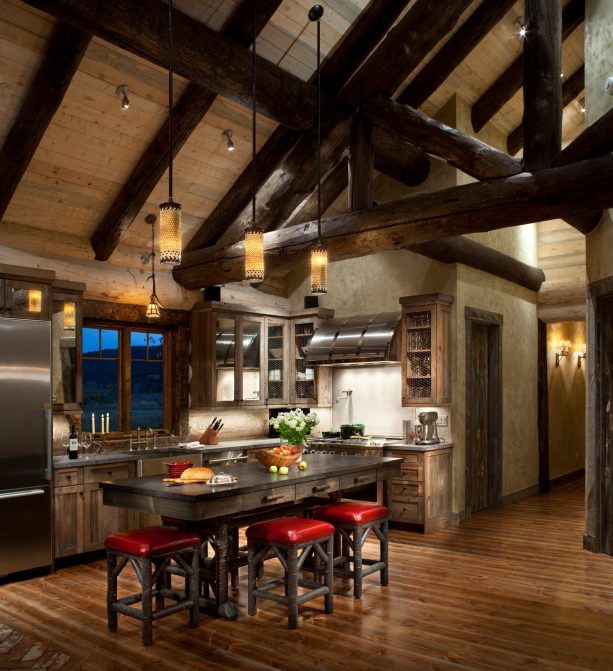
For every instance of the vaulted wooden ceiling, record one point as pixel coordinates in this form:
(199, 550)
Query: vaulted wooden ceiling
(96, 170)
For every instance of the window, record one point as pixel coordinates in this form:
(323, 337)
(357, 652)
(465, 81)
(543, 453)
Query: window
(124, 377)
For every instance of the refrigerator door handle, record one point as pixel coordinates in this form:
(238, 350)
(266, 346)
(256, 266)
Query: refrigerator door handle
(47, 430)
(23, 492)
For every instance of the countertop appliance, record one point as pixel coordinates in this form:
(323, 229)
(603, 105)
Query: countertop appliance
(429, 433)
(25, 445)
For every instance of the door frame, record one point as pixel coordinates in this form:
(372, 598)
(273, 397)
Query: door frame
(494, 322)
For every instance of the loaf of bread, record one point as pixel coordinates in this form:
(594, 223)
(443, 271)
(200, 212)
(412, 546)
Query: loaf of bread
(200, 473)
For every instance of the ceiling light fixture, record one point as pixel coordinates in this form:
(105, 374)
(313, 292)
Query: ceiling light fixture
(522, 30)
(254, 236)
(582, 107)
(319, 254)
(122, 92)
(170, 212)
(582, 355)
(227, 136)
(154, 307)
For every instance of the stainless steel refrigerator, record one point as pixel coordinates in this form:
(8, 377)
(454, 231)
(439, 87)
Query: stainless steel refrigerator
(25, 445)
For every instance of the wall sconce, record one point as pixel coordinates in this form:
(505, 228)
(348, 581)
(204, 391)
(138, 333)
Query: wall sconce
(582, 355)
(122, 92)
(69, 316)
(227, 136)
(564, 347)
(35, 300)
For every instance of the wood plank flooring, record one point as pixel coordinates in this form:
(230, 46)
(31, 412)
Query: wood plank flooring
(510, 590)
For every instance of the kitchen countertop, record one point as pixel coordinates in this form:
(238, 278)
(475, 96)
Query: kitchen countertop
(417, 448)
(174, 452)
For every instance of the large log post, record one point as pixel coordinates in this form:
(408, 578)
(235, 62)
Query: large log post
(361, 164)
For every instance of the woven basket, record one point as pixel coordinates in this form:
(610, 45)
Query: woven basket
(268, 458)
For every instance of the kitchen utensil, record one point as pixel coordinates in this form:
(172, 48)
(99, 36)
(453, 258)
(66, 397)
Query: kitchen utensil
(222, 478)
(175, 468)
(346, 431)
(429, 433)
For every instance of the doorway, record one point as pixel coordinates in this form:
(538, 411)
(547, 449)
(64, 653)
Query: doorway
(483, 410)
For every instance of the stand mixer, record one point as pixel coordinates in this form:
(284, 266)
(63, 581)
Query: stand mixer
(429, 433)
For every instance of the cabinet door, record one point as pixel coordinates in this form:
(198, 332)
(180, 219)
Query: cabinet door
(68, 506)
(26, 300)
(304, 382)
(277, 361)
(66, 323)
(100, 521)
(250, 386)
(419, 356)
(225, 334)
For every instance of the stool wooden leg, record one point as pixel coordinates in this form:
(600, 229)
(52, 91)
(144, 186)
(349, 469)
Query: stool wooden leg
(234, 557)
(111, 590)
(292, 586)
(160, 582)
(251, 579)
(194, 588)
(147, 628)
(384, 553)
(356, 543)
(329, 598)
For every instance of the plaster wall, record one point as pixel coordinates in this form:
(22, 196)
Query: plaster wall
(566, 384)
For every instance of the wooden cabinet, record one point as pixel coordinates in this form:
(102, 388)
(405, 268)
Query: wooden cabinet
(422, 493)
(243, 356)
(426, 349)
(25, 293)
(82, 522)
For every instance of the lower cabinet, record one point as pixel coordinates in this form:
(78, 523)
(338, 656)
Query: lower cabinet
(422, 493)
(82, 522)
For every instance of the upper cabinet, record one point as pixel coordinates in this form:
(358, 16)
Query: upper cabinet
(25, 294)
(426, 352)
(245, 356)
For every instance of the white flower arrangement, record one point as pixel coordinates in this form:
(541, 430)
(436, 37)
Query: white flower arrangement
(294, 425)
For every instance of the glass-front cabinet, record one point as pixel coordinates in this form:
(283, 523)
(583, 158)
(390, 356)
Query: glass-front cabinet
(24, 299)
(277, 361)
(304, 387)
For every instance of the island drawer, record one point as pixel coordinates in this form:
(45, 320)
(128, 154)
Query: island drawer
(67, 476)
(121, 471)
(411, 472)
(409, 457)
(357, 480)
(316, 487)
(407, 511)
(403, 491)
(269, 497)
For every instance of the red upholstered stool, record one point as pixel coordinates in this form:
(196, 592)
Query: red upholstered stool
(150, 551)
(291, 540)
(353, 521)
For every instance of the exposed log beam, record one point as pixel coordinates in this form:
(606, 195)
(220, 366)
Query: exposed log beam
(64, 53)
(542, 119)
(187, 114)
(453, 52)
(361, 164)
(471, 208)
(200, 54)
(471, 253)
(399, 159)
(461, 150)
(507, 85)
(596, 140)
(369, 28)
(571, 88)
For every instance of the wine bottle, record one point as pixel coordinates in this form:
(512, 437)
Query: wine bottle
(73, 443)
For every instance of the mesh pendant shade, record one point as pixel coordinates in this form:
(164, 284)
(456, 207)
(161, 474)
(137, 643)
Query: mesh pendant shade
(35, 298)
(319, 269)
(254, 254)
(69, 316)
(170, 233)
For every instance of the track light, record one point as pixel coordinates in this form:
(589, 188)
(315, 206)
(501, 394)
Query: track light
(122, 92)
(227, 136)
(522, 30)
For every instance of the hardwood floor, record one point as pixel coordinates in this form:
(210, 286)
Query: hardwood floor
(510, 590)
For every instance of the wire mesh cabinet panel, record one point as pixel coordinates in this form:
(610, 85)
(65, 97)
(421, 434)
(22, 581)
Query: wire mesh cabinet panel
(304, 384)
(277, 360)
(426, 352)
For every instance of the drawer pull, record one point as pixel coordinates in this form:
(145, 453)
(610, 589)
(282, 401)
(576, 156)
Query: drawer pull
(272, 497)
(320, 488)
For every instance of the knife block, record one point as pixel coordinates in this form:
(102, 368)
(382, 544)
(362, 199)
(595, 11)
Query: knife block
(209, 437)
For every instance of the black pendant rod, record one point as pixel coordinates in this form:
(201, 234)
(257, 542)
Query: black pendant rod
(170, 99)
(253, 91)
(315, 14)
(153, 256)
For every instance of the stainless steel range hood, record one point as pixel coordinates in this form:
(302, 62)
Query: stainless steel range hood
(361, 339)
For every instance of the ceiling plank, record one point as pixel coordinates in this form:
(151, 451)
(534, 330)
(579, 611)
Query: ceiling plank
(471, 208)
(461, 150)
(454, 51)
(511, 80)
(542, 119)
(571, 88)
(60, 62)
(187, 114)
(364, 34)
(200, 54)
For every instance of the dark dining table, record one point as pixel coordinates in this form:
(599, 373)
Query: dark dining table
(256, 494)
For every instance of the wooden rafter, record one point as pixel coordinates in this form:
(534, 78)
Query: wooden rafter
(498, 203)
(64, 53)
(187, 114)
(510, 81)
(202, 55)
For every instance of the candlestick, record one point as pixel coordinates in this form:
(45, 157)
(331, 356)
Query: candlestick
(107, 422)
(101, 422)
(93, 423)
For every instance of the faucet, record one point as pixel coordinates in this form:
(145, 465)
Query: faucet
(346, 395)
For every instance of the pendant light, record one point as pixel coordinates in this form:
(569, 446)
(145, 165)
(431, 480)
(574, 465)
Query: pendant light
(154, 307)
(319, 254)
(254, 236)
(170, 212)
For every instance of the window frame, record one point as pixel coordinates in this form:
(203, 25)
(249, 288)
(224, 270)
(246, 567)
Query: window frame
(125, 359)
